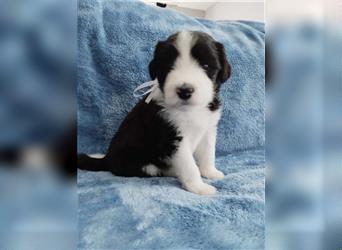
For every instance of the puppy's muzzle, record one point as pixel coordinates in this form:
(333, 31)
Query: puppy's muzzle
(185, 91)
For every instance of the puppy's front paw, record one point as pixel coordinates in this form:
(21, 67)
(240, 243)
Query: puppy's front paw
(212, 173)
(201, 188)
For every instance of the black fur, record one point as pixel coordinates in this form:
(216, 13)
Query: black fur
(214, 104)
(164, 57)
(212, 57)
(143, 138)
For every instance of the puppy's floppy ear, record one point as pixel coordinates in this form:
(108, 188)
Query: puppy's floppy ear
(225, 71)
(152, 69)
(153, 66)
(163, 59)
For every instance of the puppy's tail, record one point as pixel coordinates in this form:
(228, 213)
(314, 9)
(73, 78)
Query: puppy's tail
(85, 162)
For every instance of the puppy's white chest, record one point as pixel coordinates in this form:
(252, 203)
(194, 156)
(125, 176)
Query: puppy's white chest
(194, 123)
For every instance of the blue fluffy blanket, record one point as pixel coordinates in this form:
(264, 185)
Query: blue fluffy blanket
(116, 42)
(156, 213)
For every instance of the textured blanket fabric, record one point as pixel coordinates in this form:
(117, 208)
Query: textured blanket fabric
(156, 213)
(116, 42)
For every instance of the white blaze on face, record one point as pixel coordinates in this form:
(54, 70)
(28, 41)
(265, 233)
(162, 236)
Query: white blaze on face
(187, 70)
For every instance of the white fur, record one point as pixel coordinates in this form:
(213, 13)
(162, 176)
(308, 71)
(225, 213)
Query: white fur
(198, 129)
(187, 70)
(195, 121)
(205, 154)
(97, 156)
(151, 170)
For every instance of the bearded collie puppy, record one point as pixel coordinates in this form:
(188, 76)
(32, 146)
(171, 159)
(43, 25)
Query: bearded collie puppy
(174, 133)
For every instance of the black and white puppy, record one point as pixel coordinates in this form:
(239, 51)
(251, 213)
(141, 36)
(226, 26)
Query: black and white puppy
(174, 134)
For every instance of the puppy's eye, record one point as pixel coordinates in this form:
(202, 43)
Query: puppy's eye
(205, 66)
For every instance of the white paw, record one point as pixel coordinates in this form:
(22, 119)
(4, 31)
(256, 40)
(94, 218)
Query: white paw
(213, 174)
(151, 170)
(201, 188)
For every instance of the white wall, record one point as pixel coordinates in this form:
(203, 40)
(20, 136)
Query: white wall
(252, 11)
(188, 11)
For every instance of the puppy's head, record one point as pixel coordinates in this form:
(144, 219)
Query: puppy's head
(190, 67)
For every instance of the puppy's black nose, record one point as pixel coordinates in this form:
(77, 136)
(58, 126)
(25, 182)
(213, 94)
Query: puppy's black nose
(184, 92)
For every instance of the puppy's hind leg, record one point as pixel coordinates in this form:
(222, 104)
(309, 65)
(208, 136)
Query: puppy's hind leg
(151, 170)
